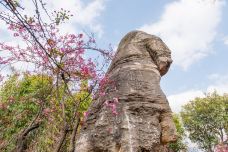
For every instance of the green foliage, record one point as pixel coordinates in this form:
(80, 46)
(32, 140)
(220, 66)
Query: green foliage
(8, 88)
(20, 101)
(19, 104)
(84, 97)
(36, 86)
(179, 145)
(206, 120)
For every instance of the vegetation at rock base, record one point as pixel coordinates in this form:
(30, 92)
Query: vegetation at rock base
(21, 100)
(179, 145)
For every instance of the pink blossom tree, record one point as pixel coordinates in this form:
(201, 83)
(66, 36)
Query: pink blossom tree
(64, 58)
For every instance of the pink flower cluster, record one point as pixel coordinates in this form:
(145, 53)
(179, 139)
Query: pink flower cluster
(112, 104)
(58, 56)
(102, 85)
(52, 52)
(47, 113)
(85, 114)
(221, 148)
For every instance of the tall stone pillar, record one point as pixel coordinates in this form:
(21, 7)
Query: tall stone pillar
(134, 115)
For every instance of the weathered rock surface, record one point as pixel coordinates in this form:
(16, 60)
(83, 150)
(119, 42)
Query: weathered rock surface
(143, 122)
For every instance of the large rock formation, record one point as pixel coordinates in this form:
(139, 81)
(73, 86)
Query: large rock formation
(140, 120)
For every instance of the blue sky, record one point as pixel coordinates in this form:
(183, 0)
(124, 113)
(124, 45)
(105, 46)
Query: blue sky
(195, 31)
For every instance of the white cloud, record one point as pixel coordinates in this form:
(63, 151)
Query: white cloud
(85, 14)
(213, 76)
(220, 85)
(188, 27)
(225, 40)
(176, 101)
(5, 35)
